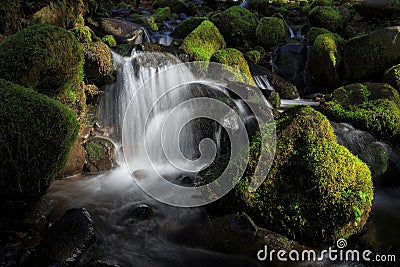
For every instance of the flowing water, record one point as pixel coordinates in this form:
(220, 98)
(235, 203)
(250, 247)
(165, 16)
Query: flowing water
(133, 229)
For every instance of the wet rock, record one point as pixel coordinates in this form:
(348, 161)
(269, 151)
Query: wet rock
(290, 61)
(75, 161)
(238, 233)
(39, 223)
(123, 31)
(102, 263)
(139, 213)
(100, 155)
(67, 239)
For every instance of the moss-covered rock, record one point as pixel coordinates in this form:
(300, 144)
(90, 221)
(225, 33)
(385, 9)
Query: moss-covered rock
(187, 26)
(17, 14)
(392, 76)
(270, 31)
(98, 67)
(43, 57)
(326, 53)
(234, 59)
(35, 138)
(176, 6)
(326, 17)
(100, 155)
(203, 42)
(372, 107)
(316, 190)
(366, 57)
(321, 3)
(253, 56)
(237, 25)
(313, 32)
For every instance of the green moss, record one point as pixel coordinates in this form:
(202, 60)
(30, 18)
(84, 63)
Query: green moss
(313, 33)
(236, 24)
(316, 190)
(203, 42)
(392, 76)
(176, 6)
(187, 26)
(162, 14)
(326, 17)
(270, 31)
(94, 150)
(151, 22)
(35, 138)
(109, 40)
(99, 69)
(83, 34)
(374, 108)
(253, 56)
(43, 57)
(325, 52)
(234, 59)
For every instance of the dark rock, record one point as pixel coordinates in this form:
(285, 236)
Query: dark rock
(75, 161)
(123, 31)
(139, 213)
(67, 239)
(376, 8)
(39, 223)
(100, 155)
(290, 61)
(99, 69)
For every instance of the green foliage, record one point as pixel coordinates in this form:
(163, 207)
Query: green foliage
(316, 190)
(35, 138)
(237, 25)
(151, 22)
(109, 40)
(43, 57)
(326, 17)
(270, 31)
(162, 14)
(321, 3)
(203, 42)
(392, 76)
(374, 108)
(187, 26)
(234, 59)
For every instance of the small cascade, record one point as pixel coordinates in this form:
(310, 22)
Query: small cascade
(244, 4)
(292, 35)
(263, 82)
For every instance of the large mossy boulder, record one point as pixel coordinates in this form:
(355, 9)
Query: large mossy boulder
(203, 42)
(316, 190)
(43, 57)
(377, 8)
(235, 59)
(270, 31)
(36, 135)
(366, 57)
(237, 25)
(326, 53)
(326, 17)
(187, 26)
(373, 107)
(99, 69)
